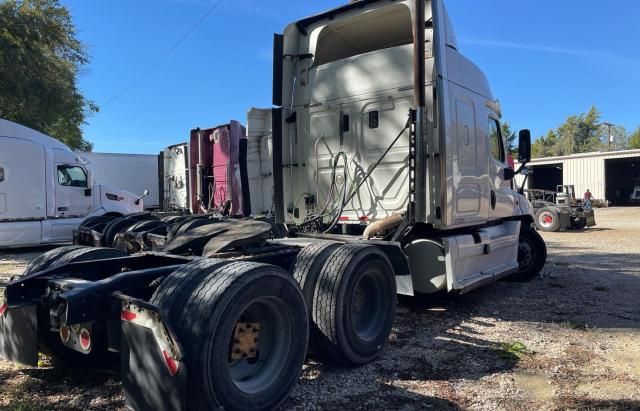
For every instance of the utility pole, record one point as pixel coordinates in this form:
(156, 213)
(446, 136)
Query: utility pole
(609, 125)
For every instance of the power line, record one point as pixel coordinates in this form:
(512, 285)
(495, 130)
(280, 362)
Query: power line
(161, 59)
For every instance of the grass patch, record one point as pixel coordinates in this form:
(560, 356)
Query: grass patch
(512, 350)
(23, 405)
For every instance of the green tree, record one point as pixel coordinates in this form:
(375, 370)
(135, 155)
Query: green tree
(634, 139)
(509, 138)
(545, 146)
(580, 133)
(40, 59)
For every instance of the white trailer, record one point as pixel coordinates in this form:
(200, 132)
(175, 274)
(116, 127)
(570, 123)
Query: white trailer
(259, 160)
(134, 173)
(174, 182)
(46, 190)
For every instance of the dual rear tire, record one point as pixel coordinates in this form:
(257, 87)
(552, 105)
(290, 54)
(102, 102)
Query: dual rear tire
(240, 299)
(351, 294)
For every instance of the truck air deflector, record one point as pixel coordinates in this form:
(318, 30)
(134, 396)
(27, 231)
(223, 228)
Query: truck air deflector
(303, 24)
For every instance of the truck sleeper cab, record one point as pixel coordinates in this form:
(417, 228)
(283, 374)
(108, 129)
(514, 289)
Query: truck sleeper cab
(46, 190)
(378, 194)
(348, 157)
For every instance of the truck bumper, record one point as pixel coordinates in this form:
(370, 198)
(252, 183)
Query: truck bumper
(19, 334)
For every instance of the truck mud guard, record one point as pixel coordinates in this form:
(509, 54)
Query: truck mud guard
(153, 374)
(19, 333)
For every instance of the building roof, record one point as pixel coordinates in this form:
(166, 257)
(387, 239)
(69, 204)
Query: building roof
(606, 154)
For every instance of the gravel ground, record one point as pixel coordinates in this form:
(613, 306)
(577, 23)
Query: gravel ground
(569, 340)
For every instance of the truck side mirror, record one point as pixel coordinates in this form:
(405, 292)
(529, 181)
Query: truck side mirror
(88, 192)
(524, 146)
(144, 194)
(89, 178)
(509, 173)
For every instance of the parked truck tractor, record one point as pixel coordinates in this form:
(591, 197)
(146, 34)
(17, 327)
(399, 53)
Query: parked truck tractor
(389, 177)
(46, 190)
(559, 210)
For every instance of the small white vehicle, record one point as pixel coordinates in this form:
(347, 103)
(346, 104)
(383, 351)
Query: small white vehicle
(46, 190)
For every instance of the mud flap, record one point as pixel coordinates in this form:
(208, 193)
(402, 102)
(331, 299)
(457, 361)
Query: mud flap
(19, 334)
(591, 219)
(147, 383)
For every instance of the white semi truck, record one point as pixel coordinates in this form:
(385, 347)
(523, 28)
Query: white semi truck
(46, 190)
(389, 176)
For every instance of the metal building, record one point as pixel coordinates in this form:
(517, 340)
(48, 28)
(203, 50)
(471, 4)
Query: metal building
(610, 176)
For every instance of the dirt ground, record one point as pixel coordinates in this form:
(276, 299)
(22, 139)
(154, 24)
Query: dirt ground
(568, 340)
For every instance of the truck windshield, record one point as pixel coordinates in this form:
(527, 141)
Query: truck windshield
(72, 176)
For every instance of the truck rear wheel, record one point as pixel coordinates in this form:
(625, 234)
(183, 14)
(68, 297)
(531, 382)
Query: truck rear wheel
(354, 304)
(532, 255)
(120, 224)
(91, 222)
(578, 223)
(243, 328)
(547, 220)
(306, 270)
(45, 260)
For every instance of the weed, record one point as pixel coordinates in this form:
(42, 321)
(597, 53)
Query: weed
(512, 351)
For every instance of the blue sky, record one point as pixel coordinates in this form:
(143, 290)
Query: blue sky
(545, 60)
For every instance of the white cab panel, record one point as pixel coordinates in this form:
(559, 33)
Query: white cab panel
(176, 177)
(490, 253)
(23, 187)
(260, 160)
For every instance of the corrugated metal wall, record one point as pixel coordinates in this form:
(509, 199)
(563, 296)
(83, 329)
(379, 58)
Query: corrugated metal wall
(583, 170)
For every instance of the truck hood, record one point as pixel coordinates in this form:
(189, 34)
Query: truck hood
(114, 199)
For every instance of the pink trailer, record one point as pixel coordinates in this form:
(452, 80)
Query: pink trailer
(215, 164)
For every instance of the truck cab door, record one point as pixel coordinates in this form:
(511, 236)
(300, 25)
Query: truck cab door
(73, 197)
(501, 195)
(460, 112)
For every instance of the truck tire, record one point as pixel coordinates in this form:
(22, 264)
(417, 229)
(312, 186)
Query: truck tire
(354, 304)
(91, 222)
(45, 260)
(208, 302)
(186, 226)
(145, 225)
(121, 224)
(50, 341)
(306, 271)
(547, 219)
(88, 253)
(532, 255)
(578, 223)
